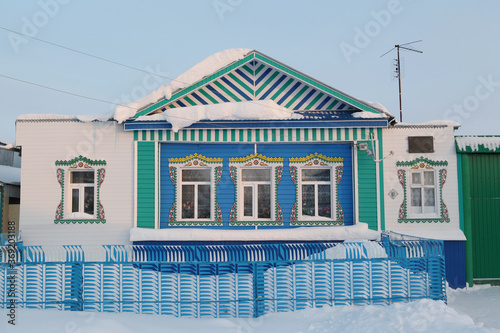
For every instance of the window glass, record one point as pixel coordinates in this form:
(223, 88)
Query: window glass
(264, 202)
(203, 201)
(415, 178)
(324, 201)
(429, 178)
(308, 202)
(256, 175)
(247, 201)
(316, 175)
(187, 201)
(82, 177)
(89, 200)
(416, 197)
(193, 175)
(75, 201)
(429, 196)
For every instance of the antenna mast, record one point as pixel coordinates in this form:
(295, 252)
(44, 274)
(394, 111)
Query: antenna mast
(398, 70)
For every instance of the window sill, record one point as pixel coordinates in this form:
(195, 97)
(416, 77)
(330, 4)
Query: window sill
(80, 221)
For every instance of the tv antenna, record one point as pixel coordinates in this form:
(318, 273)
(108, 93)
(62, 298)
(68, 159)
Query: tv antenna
(398, 69)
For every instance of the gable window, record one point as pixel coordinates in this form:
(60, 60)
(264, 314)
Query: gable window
(256, 178)
(80, 180)
(422, 181)
(195, 178)
(316, 179)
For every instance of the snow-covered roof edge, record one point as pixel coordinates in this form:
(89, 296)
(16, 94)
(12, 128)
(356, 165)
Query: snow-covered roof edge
(353, 232)
(478, 144)
(432, 123)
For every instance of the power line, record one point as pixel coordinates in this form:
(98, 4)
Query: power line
(89, 55)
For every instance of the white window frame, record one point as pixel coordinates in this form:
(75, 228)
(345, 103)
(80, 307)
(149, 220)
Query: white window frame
(255, 195)
(196, 184)
(413, 213)
(195, 162)
(316, 194)
(255, 161)
(81, 190)
(316, 161)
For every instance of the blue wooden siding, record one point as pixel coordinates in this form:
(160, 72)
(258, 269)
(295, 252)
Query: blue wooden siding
(454, 252)
(286, 188)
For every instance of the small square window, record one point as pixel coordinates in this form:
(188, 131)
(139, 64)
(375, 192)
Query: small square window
(420, 144)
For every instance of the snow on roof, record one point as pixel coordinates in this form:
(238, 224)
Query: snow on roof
(489, 142)
(194, 74)
(10, 175)
(60, 117)
(454, 234)
(374, 105)
(432, 123)
(353, 232)
(247, 110)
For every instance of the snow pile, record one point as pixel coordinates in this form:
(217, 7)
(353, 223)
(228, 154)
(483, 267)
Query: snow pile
(367, 115)
(248, 110)
(418, 316)
(10, 175)
(443, 234)
(206, 67)
(377, 106)
(490, 142)
(353, 232)
(356, 249)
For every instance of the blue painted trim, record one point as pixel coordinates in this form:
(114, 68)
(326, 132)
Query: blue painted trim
(161, 125)
(454, 252)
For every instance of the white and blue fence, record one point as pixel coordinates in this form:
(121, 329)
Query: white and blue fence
(221, 281)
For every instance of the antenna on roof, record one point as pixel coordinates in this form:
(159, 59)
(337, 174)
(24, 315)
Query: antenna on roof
(398, 69)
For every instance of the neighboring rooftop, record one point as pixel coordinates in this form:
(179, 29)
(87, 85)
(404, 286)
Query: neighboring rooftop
(478, 144)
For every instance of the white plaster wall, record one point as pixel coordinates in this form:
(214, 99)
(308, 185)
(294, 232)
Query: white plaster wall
(396, 139)
(44, 142)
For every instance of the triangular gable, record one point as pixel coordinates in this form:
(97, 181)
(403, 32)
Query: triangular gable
(258, 77)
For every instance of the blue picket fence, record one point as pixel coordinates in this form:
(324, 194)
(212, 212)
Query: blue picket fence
(224, 281)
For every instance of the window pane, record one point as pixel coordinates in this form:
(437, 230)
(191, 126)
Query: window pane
(429, 178)
(203, 201)
(264, 206)
(316, 175)
(256, 175)
(416, 197)
(89, 200)
(76, 200)
(324, 201)
(82, 177)
(415, 178)
(187, 201)
(247, 201)
(308, 200)
(193, 175)
(429, 197)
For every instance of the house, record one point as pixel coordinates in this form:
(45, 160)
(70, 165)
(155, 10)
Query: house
(10, 178)
(239, 149)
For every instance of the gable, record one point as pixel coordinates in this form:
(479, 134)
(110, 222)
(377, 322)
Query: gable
(258, 77)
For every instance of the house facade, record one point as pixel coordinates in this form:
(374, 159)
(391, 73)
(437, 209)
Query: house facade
(239, 149)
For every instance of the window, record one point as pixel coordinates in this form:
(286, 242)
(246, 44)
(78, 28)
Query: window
(420, 144)
(195, 178)
(196, 198)
(256, 184)
(82, 187)
(423, 192)
(80, 180)
(422, 181)
(316, 195)
(255, 179)
(316, 179)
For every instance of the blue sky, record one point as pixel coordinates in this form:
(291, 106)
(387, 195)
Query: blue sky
(339, 43)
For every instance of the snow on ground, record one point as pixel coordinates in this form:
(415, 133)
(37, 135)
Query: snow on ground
(474, 310)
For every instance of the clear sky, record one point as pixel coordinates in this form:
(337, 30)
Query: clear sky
(457, 77)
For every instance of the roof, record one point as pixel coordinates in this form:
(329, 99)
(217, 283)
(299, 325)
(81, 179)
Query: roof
(478, 144)
(10, 175)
